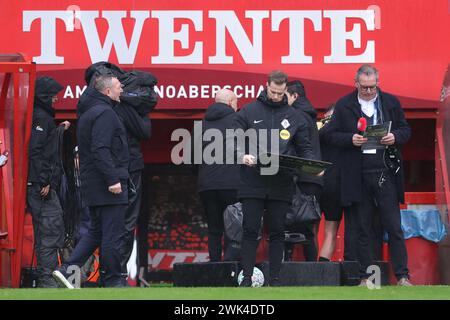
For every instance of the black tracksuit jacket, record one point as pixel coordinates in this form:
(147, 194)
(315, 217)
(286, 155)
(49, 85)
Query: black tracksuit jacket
(265, 114)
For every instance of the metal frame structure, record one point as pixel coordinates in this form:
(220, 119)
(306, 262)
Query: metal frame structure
(442, 148)
(18, 75)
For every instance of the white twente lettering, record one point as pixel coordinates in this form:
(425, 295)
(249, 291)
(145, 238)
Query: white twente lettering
(248, 41)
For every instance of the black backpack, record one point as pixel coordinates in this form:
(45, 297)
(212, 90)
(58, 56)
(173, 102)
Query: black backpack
(138, 91)
(138, 86)
(102, 68)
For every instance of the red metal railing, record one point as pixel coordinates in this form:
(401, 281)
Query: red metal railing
(18, 75)
(443, 147)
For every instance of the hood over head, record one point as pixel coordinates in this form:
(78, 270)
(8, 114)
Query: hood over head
(302, 103)
(45, 89)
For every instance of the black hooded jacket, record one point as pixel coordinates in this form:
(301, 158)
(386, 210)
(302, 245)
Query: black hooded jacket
(265, 114)
(306, 109)
(217, 176)
(138, 127)
(103, 150)
(43, 167)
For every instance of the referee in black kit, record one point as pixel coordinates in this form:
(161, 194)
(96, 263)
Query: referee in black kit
(272, 193)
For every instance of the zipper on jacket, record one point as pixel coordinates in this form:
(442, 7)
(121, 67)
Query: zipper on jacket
(269, 142)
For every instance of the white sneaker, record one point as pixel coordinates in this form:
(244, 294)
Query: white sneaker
(404, 282)
(61, 279)
(366, 283)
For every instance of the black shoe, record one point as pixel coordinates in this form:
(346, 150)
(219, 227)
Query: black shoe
(292, 237)
(101, 279)
(246, 282)
(47, 282)
(118, 285)
(89, 284)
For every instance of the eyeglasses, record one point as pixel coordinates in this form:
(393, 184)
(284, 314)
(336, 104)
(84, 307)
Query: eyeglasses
(367, 88)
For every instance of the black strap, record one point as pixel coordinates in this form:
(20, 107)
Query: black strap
(59, 148)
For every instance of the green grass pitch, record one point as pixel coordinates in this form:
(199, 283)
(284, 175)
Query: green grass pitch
(164, 292)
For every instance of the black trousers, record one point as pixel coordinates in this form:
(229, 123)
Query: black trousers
(131, 217)
(48, 227)
(383, 202)
(350, 233)
(142, 238)
(106, 230)
(215, 203)
(253, 210)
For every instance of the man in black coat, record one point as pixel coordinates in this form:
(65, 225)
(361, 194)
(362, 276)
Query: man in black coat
(43, 178)
(268, 114)
(308, 184)
(133, 110)
(367, 183)
(104, 157)
(138, 127)
(332, 207)
(217, 182)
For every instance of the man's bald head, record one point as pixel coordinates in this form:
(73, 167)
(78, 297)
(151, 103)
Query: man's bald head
(228, 97)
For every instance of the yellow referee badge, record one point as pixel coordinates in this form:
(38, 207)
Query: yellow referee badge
(284, 134)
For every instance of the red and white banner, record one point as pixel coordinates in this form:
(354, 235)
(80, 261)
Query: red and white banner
(165, 259)
(195, 47)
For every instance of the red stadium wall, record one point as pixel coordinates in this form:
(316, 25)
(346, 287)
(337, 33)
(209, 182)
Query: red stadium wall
(195, 47)
(321, 42)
